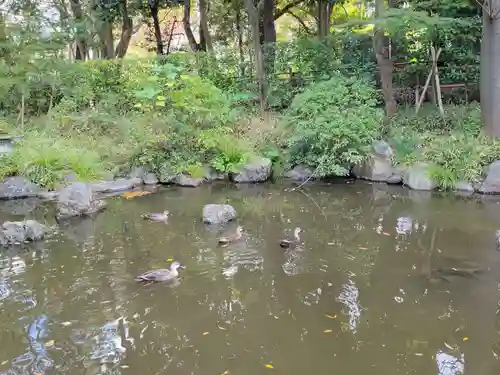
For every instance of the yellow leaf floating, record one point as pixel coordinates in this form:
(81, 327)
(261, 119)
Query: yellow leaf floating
(331, 316)
(328, 331)
(133, 194)
(465, 339)
(170, 259)
(362, 248)
(225, 372)
(49, 343)
(205, 333)
(386, 234)
(269, 365)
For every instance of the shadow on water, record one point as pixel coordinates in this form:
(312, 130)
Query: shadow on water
(388, 281)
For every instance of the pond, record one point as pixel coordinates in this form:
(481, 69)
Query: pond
(389, 281)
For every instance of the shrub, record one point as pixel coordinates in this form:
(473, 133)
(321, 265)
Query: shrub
(331, 125)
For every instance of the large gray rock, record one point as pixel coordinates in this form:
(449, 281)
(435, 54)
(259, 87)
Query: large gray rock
(299, 173)
(150, 178)
(137, 172)
(77, 199)
(18, 232)
(212, 175)
(167, 177)
(188, 181)
(18, 187)
(417, 178)
(464, 187)
(256, 170)
(218, 213)
(491, 184)
(377, 166)
(121, 184)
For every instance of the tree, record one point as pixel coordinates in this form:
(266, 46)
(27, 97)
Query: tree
(490, 67)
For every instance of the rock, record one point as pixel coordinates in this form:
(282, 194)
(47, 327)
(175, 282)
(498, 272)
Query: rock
(395, 179)
(218, 213)
(212, 175)
(464, 186)
(18, 187)
(21, 207)
(77, 199)
(299, 173)
(18, 232)
(378, 166)
(167, 177)
(120, 184)
(256, 170)
(137, 172)
(416, 178)
(150, 179)
(49, 195)
(491, 184)
(188, 181)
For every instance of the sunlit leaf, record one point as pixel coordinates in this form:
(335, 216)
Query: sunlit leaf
(225, 372)
(269, 365)
(362, 248)
(465, 339)
(328, 331)
(133, 194)
(205, 333)
(170, 259)
(331, 316)
(449, 346)
(386, 234)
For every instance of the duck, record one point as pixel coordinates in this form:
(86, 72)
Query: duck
(162, 274)
(156, 216)
(224, 241)
(291, 242)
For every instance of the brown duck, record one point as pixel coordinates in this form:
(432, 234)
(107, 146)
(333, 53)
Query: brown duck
(224, 241)
(291, 242)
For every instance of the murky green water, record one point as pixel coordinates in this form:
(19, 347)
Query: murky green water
(362, 297)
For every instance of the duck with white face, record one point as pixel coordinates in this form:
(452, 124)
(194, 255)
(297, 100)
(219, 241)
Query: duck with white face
(287, 243)
(162, 274)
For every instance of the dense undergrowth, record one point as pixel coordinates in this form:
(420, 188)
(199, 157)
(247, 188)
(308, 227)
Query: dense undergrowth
(98, 118)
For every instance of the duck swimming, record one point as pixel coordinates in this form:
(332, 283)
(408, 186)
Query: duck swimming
(291, 242)
(163, 216)
(162, 274)
(224, 241)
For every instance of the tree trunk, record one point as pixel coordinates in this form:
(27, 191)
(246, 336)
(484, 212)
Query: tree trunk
(204, 30)
(106, 40)
(127, 30)
(153, 9)
(186, 20)
(254, 18)
(268, 33)
(383, 62)
(81, 43)
(325, 9)
(490, 70)
(240, 40)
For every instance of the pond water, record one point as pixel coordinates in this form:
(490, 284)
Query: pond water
(373, 290)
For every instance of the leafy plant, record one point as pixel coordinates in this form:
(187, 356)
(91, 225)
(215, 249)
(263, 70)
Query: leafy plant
(332, 124)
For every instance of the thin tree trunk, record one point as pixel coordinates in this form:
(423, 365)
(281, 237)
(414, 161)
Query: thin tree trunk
(325, 10)
(384, 63)
(171, 35)
(186, 20)
(254, 18)
(240, 40)
(204, 25)
(269, 35)
(106, 40)
(153, 9)
(127, 30)
(81, 44)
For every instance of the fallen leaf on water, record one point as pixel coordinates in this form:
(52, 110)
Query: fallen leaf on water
(49, 343)
(331, 243)
(328, 330)
(465, 339)
(220, 327)
(386, 234)
(133, 194)
(419, 354)
(205, 333)
(362, 248)
(331, 316)
(269, 365)
(170, 259)
(225, 372)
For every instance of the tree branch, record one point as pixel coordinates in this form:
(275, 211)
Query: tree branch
(301, 21)
(279, 12)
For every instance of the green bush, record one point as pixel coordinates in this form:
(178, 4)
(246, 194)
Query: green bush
(332, 124)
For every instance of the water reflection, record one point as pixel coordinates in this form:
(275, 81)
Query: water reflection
(350, 300)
